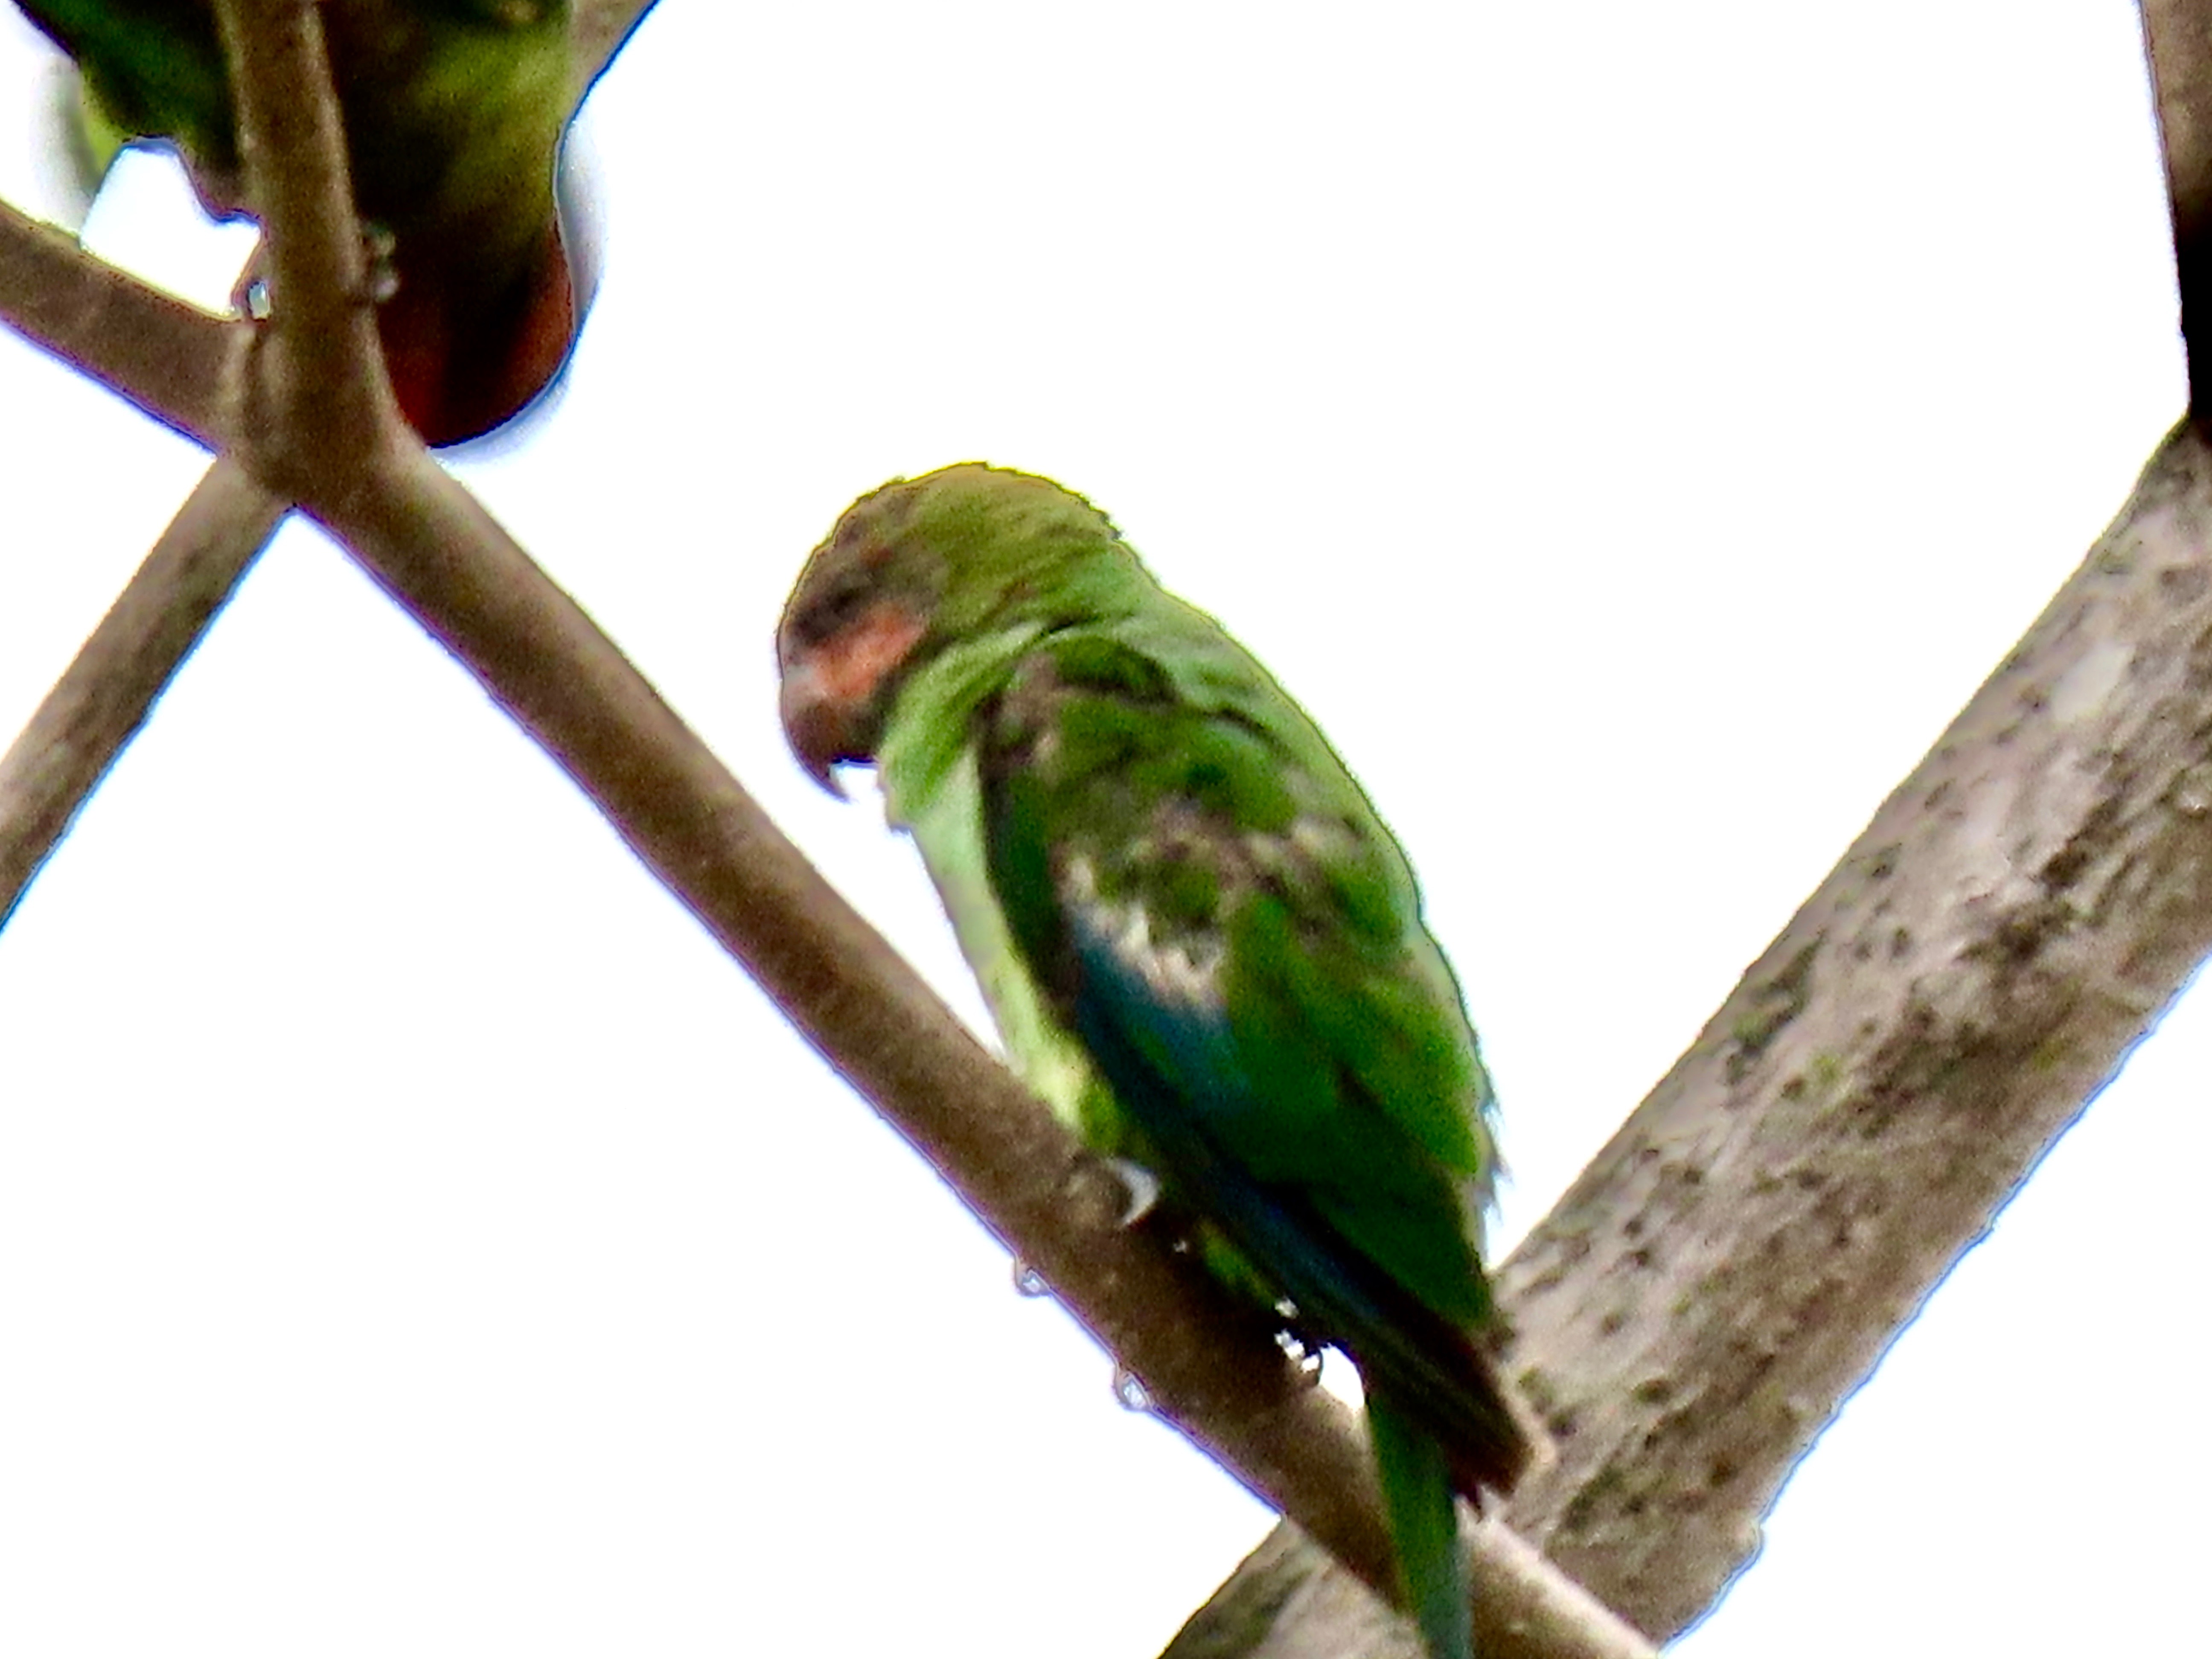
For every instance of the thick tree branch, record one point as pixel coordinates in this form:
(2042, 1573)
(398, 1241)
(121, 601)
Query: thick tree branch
(2177, 34)
(107, 692)
(1733, 1264)
(2008, 927)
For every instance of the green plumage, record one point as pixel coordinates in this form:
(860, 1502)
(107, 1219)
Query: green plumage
(454, 112)
(1201, 944)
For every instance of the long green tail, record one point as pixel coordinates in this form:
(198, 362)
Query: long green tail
(1417, 1496)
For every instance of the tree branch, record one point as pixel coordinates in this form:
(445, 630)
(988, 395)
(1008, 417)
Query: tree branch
(104, 694)
(599, 29)
(2177, 35)
(2011, 923)
(1735, 1262)
(317, 401)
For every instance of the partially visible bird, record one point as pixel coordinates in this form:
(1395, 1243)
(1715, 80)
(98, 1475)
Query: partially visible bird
(454, 111)
(1201, 945)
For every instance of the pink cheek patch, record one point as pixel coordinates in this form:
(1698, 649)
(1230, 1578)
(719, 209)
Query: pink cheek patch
(851, 666)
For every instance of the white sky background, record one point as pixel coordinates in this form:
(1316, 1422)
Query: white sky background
(1631, 434)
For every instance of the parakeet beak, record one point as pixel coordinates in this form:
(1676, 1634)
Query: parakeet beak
(814, 724)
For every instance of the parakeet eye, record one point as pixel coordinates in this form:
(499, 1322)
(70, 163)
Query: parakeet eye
(835, 610)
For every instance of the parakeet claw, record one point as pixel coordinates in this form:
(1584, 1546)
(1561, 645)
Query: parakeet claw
(379, 251)
(1142, 1188)
(1304, 1352)
(1028, 1281)
(1129, 1388)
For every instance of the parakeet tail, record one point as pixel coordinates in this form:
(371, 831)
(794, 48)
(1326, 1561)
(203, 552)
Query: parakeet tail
(1417, 1483)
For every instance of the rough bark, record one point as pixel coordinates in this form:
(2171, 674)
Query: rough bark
(2011, 923)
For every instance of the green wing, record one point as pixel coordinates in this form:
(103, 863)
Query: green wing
(1182, 860)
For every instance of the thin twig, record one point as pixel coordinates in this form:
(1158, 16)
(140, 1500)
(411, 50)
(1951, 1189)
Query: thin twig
(167, 357)
(107, 692)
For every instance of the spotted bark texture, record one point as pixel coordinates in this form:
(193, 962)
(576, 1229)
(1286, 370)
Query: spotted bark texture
(1735, 1262)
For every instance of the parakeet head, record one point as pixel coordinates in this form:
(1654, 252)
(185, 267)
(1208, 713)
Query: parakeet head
(922, 563)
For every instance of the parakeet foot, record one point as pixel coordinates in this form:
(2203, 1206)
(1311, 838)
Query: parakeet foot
(1305, 1351)
(1142, 1188)
(1028, 1281)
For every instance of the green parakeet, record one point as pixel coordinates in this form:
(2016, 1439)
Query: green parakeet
(1201, 943)
(453, 111)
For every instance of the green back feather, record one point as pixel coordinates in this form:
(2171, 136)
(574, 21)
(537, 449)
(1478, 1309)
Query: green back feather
(1345, 1009)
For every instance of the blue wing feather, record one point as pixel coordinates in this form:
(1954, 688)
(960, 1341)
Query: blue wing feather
(1173, 1065)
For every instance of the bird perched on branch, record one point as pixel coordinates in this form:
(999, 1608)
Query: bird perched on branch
(453, 113)
(1201, 945)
